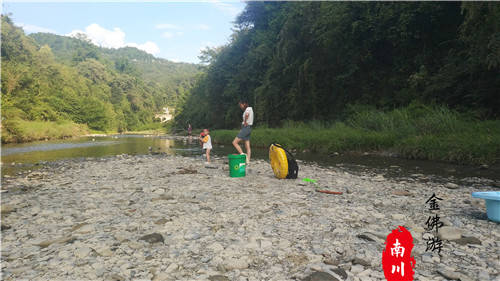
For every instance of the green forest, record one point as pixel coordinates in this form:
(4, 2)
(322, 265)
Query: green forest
(303, 61)
(56, 86)
(419, 80)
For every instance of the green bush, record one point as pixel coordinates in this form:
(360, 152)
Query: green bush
(17, 130)
(417, 132)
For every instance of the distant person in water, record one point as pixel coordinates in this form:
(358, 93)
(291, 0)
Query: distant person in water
(190, 129)
(206, 140)
(246, 129)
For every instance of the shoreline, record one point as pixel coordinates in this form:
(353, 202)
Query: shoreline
(90, 219)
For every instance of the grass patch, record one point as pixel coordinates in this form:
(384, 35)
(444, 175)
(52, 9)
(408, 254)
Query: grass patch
(415, 132)
(17, 130)
(153, 128)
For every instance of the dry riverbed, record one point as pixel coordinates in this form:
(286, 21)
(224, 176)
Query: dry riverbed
(161, 217)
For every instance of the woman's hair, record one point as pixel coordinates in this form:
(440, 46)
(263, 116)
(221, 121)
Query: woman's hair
(243, 101)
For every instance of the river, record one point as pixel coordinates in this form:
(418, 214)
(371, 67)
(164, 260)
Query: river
(16, 157)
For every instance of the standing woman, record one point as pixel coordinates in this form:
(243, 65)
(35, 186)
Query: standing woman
(246, 129)
(190, 129)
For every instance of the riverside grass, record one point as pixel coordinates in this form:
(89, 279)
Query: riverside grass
(20, 131)
(25, 131)
(415, 132)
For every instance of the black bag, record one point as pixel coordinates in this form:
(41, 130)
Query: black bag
(293, 167)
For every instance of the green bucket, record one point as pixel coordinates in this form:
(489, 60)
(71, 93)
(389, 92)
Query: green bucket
(237, 165)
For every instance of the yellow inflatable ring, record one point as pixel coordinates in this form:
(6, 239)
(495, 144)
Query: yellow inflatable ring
(279, 162)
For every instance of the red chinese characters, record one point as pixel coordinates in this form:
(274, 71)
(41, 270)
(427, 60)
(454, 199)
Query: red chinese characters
(397, 262)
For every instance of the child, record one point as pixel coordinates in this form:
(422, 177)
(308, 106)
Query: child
(207, 143)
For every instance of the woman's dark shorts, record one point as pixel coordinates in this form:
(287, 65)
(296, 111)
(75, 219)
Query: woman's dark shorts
(244, 133)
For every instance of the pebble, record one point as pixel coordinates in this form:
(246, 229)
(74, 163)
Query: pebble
(171, 268)
(464, 240)
(82, 252)
(357, 269)
(153, 238)
(451, 185)
(451, 274)
(361, 261)
(398, 216)
(218, 278)
(7, 209)
(320, 276)
(449, 233)
(86, 229)
(235, 263)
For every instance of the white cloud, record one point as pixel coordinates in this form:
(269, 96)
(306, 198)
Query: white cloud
(148, 47)
(202, 26)
(168, 34)
(114, 38)
(167, 26)
(29, 28)
(103, 37)
(226, 7)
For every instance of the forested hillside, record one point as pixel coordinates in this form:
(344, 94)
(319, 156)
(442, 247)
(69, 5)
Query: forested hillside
(310, 60)
(51, 78)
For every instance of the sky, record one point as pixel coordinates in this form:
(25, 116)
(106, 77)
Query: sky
(176, 31)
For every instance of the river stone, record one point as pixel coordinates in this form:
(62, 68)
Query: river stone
(161, 276)
(61, 240)
(398, 217)
(449, 274)
(218, 278)
(361, 261)
(171, 268)
(340, 272)
(163, 197)
(451, 185)
(192, 236)
(87, 228)
(104, 251)
(7, 209)
(115, 277)
(233, 263)
(82, 252)
(401, 193)
(75, 227)
(449, 233)
(368, 236)
(357, 268)
(320, 276)
(484, 275)
(427, 257)
(5, 226)
(216, 247)
(161, 221)
(153, 238)
(468, 240)
(331, 262)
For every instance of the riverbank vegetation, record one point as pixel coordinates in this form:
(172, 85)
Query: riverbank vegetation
(18, 130)
(349, 75)
(415, 132)
(65, 80)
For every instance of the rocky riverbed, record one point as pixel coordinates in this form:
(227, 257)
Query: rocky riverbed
(159, 217)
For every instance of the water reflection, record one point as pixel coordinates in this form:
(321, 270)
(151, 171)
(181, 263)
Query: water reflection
(30, 153)
(88, 147)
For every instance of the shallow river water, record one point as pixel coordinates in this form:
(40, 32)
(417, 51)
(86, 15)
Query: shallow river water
(16, 157)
